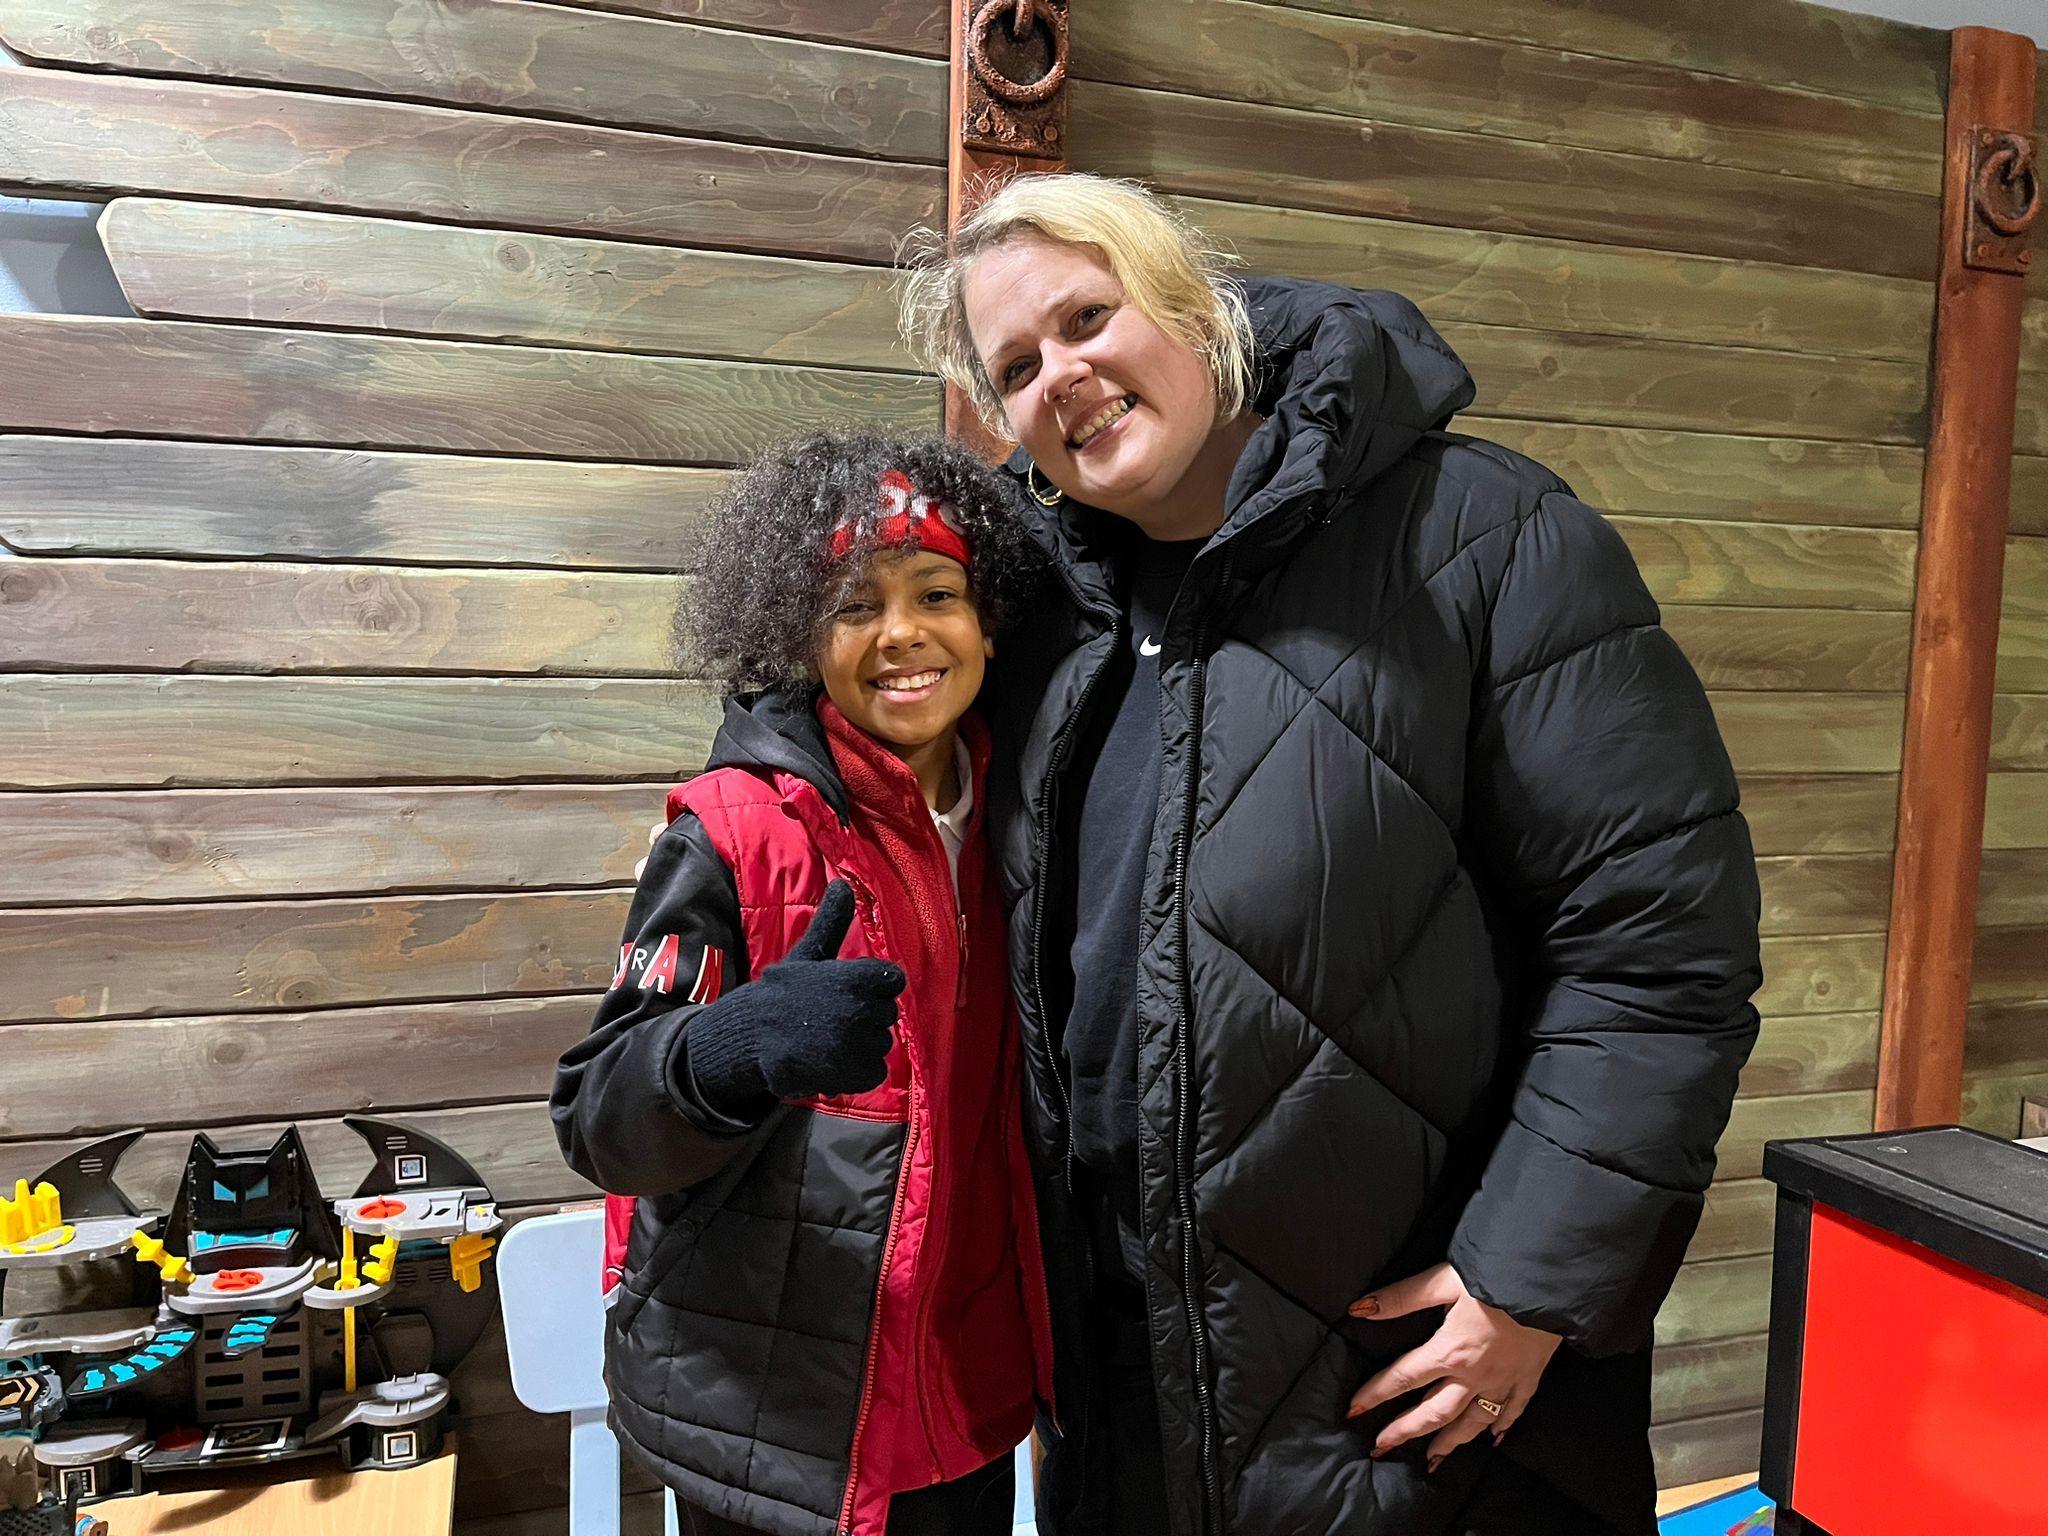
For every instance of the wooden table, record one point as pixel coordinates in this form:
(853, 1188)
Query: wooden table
(414, 1501)
(1667, 1501)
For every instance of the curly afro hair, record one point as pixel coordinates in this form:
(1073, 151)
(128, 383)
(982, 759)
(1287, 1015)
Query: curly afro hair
(752, 618)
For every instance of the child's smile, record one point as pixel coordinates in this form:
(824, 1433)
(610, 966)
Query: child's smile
(909, 687)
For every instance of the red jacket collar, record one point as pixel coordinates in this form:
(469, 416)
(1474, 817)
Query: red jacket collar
(881, 784)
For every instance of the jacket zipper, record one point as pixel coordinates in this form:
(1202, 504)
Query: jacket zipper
(1183, 1123)
(867, 1380)
(1049, 802)
(935, 1217)
(867, 1383)
(1043, 1308)
(960, 991)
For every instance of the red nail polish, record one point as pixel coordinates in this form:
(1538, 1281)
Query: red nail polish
(1353, 1412)
(1434, 1463)
(1364, 1307)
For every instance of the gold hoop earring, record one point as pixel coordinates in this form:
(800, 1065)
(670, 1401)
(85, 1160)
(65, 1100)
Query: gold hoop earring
(1031, 485)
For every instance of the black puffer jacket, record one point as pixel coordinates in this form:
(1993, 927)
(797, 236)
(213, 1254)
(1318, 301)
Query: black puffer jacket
(836, 1300)
(1448, 937)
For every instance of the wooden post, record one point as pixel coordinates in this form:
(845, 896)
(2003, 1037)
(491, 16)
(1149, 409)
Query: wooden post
(1007, 100)
(1990, 196)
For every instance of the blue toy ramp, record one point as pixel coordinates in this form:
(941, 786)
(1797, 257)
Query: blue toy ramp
(1745, 1512)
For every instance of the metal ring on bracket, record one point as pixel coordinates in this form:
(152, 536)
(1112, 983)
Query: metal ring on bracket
(1000, 85)
(2009, 166)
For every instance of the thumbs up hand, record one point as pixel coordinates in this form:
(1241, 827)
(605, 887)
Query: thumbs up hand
(814, 1024)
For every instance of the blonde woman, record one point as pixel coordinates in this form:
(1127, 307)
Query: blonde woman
(1383, 924)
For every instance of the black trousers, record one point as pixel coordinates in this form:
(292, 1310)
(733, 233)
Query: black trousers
(978, 1504)
(1133, 1468)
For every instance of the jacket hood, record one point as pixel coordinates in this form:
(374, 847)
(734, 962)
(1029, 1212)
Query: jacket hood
(780, 731)
(1347, 379)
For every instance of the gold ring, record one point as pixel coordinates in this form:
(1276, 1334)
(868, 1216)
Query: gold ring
(1492, 1408)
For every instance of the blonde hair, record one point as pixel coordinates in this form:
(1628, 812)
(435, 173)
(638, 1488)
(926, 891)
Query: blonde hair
(1173, 273)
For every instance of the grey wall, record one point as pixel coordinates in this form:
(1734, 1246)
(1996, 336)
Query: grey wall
(50, 259)
(2026, 17)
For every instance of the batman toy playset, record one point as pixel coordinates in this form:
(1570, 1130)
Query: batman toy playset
(253, 1322)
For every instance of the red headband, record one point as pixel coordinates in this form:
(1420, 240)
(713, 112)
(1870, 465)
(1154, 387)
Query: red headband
(903, 514)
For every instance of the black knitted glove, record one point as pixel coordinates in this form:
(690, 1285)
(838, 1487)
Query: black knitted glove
(815, 1024)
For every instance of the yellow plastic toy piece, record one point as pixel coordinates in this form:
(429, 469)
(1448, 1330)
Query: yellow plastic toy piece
(32, 1214)
(349, 1281)
(348, 1350)
(382, 1261)
(351, 1277)
(150, 1250)
(466, 1257)
(43, 1242)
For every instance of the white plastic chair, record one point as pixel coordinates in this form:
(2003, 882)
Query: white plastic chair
(1024, 1516)
(548, 1270)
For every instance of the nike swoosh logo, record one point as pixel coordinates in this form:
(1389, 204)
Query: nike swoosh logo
(1148, 647)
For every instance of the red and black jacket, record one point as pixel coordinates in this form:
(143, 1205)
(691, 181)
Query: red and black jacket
(845, 1299)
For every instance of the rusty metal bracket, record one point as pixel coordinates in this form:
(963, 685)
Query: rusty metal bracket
(1016, 77)
(2005, 200)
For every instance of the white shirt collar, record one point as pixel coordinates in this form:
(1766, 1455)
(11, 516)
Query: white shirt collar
(955, 820)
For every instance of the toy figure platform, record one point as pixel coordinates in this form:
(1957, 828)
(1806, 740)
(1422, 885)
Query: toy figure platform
(408, 1501)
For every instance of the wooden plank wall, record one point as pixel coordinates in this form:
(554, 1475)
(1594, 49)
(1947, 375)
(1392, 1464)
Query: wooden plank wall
(336, 696)
(333, 615)
(2006, 1056)
(1686, 249)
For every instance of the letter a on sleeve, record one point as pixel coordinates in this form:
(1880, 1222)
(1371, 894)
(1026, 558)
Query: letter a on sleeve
(652, 965)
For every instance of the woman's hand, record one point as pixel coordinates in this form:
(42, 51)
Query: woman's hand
(1478, 1352)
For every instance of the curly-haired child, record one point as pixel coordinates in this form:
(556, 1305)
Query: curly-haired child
(831, 1316)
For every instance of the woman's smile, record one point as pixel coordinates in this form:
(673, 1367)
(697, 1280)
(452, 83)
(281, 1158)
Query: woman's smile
(1102, 423)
